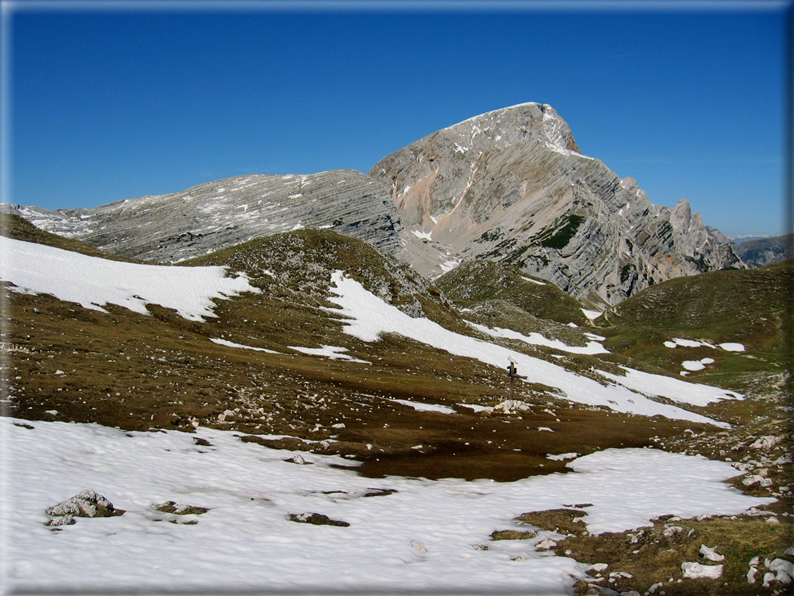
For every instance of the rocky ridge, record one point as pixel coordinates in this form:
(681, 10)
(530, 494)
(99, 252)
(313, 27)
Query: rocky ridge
(212, 216)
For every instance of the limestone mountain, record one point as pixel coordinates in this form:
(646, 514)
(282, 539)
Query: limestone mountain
(216, 215)
(509, 186)
(512, 186)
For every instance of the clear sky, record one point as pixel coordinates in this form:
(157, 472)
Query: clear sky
(114, 100)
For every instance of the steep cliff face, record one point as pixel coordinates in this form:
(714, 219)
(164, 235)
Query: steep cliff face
(169, 228)
(512, 186)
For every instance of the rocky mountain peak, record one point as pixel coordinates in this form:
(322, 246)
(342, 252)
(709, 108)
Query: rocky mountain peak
(512, 185)
(509, 185)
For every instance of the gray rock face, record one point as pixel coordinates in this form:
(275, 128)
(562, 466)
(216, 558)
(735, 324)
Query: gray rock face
(174, 227)
(512, 186)
(765, 251)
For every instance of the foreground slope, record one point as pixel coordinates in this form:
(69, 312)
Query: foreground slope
(512, 185)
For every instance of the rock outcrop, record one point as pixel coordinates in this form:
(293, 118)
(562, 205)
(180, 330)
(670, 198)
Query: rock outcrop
(765, 251)
(512, 186)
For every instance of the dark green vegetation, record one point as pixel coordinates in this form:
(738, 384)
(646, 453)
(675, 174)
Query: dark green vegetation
(750, 307)
(63, 362)
(478, 283)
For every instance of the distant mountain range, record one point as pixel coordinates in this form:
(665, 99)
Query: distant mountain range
(509, 186)
(760, 252)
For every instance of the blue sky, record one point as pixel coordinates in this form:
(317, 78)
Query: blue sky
(113, 101)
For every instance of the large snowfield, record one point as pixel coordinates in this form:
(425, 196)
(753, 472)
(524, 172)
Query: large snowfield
(426, 535)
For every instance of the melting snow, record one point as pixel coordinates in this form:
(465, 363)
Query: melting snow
(537, 339)
(231, 344)
(369, 316)
(591, 314)
(93, 282)
(246, 541)
(332, 352)
(422, 235)
(731, 347)
(693, 365)
(423, 407)
(534, 281)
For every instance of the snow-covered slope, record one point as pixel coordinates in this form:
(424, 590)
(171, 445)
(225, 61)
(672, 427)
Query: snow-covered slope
(371, 317)
(93, 282)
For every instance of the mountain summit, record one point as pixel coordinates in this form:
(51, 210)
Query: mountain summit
(512, 186)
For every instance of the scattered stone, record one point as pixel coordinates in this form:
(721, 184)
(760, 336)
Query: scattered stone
(418, 546)
(63, 520)
(180, 509)
(671, 531)
(783, 569)
(692, 570)
(297, 459)
(202, 442)
(766, 442)
(710, 554)
(317, 519)
(751, 575)
(86, 503)
(24, 425)
(512, 405)
(769, 577)
(756, 479)
(380, 492)
(597, 568)
(546, 544)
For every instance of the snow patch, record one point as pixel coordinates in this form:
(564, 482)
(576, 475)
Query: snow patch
(332, 352)
(231, 344)
(94, 282)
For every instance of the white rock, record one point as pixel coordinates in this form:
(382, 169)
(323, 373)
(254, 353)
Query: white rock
(672, 530)
(769, 577)
(546, 544)
(751, 575)
(766, 442)
(692, 570)
(418, 546)
(784, 570)
(597, 568)
(710, 554)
